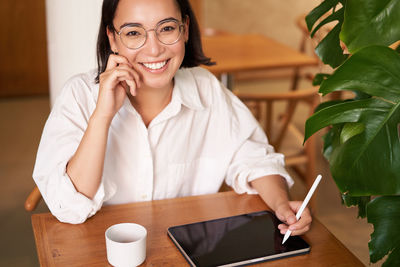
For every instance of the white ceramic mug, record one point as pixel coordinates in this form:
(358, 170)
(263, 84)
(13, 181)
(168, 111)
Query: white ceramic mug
(126, 244)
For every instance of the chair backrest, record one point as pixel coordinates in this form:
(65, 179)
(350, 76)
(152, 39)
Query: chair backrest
(262, 107)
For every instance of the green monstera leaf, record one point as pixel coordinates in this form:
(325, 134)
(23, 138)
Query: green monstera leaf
(319, 78)
(363, 143)
(384, 214)
(329, 49)
(319, 11)
(361, 202)
(370, 22)
(368, 146)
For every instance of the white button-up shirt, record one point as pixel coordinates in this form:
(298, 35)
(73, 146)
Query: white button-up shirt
(204, 136)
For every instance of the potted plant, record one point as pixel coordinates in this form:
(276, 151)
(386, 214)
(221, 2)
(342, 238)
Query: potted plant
(363, 141)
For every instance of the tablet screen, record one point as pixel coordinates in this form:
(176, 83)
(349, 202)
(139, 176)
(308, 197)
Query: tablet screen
(234, 241)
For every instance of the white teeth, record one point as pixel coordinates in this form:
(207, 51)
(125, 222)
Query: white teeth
(155, 66)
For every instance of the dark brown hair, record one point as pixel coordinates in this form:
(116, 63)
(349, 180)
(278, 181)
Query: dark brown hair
(194, 55)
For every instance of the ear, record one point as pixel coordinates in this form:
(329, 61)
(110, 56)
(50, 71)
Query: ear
(111, 39)
(186, 23)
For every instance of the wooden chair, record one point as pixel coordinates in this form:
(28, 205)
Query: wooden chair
(307, 46)
(282, 127)
(33, 199)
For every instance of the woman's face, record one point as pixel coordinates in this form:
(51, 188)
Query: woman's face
(148, 13)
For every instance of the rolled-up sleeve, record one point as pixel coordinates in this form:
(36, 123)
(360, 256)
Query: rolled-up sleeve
(254, 157)
(61, 137)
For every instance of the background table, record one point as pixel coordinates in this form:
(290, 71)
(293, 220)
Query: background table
(234, 52)
(60, 244)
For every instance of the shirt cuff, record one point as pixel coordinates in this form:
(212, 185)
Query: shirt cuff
(252, 171)
(72, 206)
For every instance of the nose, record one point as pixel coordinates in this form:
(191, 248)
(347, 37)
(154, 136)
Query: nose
(153, 45)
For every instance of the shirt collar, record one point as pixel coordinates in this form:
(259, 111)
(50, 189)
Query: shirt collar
(186, 90)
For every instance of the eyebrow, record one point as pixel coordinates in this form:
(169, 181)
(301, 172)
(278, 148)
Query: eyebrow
(141, 25)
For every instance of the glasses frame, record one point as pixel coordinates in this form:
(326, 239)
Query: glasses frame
(181, 26)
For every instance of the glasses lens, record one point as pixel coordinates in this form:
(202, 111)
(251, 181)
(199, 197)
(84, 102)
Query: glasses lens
(168, 32)
(133, 36)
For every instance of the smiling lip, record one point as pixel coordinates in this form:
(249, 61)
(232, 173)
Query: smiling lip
(155, 66)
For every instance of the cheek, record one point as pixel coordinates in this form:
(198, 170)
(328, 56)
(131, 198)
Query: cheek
(179, 50)
(128, 53)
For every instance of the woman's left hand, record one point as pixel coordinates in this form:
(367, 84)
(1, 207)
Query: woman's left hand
(287, 214)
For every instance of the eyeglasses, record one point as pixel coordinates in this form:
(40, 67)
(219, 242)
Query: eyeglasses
(134, 36)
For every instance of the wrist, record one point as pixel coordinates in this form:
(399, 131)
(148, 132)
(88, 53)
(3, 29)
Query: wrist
(279, 203)
(100, 120)
(273, 190)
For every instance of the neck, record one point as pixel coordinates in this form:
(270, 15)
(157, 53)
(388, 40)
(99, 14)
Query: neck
(149, 102)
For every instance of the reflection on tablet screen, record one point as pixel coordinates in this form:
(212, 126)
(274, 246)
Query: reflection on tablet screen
(235, 241)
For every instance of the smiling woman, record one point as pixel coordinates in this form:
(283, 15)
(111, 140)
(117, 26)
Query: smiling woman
(150, 124)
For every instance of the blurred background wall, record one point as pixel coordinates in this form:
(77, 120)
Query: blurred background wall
(34, 58)
(274, 18)
(72, 28)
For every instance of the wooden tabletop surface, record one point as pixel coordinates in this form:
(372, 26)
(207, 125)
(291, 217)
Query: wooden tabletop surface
(234, 53)
(60, 244)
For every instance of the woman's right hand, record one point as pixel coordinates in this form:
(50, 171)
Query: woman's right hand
(118, 78)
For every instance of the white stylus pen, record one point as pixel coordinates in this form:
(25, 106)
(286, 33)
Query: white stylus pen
(304, 204)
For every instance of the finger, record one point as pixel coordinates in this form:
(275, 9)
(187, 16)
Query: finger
(132, 87)
(111, 79)
(119, 75)
(128, 85)
(288, 215)
(114, 73)
(303, 222)
(280, 217)
(305, 218)
(133, 72)
(129, 82)
(301, 231)
(137, 79)
(283, 228)
(115, 60)
(295, 205)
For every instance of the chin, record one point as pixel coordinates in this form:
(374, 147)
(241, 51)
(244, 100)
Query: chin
(159, 83)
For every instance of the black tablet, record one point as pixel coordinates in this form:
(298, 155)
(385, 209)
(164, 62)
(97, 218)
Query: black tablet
(235, 241)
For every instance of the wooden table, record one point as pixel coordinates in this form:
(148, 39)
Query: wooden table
(60, 244)
(236, 53)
